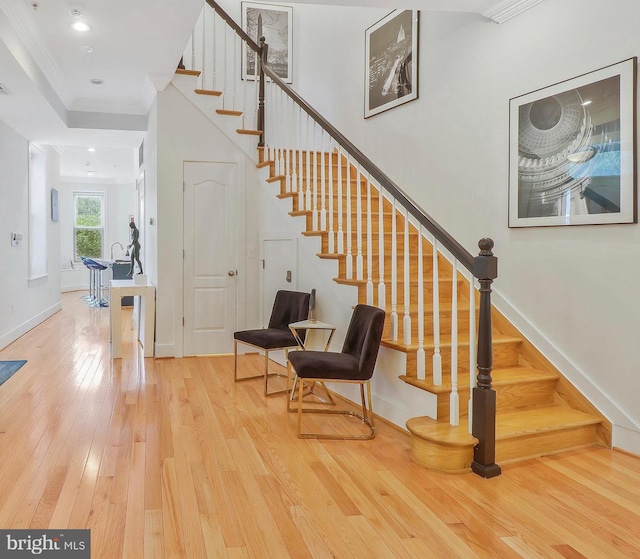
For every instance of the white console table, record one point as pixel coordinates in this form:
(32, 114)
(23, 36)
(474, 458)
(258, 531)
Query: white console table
(146, 326)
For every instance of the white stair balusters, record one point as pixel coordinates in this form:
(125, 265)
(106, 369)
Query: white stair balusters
(382, 289)
(323, 183)
(349, 261)
(437, 357)
(420, 356)
(406, 276)
(332, 234)
(454, 399)
(359, 256)
(369, 245)
(340, 239)
(394, 274)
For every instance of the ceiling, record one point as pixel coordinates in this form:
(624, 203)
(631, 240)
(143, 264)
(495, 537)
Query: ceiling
(133, 47)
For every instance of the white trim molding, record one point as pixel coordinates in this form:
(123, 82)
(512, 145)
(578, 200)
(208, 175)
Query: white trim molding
(504, 11)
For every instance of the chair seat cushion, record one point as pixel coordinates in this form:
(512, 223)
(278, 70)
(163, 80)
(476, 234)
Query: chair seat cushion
(325, 365)
(267, 338)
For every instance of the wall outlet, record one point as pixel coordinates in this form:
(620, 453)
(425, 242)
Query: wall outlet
(16, 239)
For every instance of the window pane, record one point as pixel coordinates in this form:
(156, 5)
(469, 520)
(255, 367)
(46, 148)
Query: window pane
(88, 243)
(89, 211)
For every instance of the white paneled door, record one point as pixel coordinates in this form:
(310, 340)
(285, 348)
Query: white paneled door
(210, 284)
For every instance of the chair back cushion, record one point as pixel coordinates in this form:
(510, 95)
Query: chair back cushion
(363, 337)
(288, 307)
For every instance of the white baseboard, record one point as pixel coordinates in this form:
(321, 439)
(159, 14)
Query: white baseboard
(626, 439)
(79, 287)
(14, 334)
(165, 350)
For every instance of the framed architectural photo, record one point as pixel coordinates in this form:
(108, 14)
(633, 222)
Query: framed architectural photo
(391, 58)
(274, 24)
(572, 155)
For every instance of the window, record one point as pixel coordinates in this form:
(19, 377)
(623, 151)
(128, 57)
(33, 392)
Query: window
(37, 213)
(89, 225)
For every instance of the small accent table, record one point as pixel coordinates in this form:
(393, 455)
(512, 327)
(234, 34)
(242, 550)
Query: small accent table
(311, 325)
(295, 328)
(146, 326)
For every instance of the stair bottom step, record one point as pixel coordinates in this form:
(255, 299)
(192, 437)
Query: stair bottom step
(520, 435)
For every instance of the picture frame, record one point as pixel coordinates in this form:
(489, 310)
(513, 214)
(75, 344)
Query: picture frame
(572, 154)
(275, 24)
(391, 62)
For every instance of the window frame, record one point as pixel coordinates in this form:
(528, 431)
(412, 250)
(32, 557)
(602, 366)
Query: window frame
(101, 228)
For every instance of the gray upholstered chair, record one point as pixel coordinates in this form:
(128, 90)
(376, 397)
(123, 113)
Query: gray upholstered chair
(354, 364)
(288, 307)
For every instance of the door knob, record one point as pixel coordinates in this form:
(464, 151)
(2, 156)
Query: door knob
(231, 273)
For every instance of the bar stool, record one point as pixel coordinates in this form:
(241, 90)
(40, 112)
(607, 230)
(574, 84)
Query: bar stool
(89, 296)
(96, 268)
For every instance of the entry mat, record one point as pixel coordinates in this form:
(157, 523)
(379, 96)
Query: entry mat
(8, 368)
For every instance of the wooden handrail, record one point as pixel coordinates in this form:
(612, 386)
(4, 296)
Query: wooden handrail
(454, 247)
(231, 23)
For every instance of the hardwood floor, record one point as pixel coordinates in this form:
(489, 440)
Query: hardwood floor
(171, 459)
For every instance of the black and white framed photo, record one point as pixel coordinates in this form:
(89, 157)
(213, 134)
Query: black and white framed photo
(274, 23)
(391, 58)
(572, 155)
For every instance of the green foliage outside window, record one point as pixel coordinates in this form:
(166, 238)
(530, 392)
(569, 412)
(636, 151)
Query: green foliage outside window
(89, 243)
(88, 230)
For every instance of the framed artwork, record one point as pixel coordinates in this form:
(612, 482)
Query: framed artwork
(274, 24)
(572, 155)
(391, 58)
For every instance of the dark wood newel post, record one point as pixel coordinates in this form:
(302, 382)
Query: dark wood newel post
(484, 397)
(260, 56)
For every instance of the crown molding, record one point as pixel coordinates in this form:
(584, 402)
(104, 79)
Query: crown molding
(19, 16)
(509, 9)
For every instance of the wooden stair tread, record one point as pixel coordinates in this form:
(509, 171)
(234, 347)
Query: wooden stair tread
(500, 377)
(443, 433)
(249, 132)
(428, 342)
(208, 92)
(509, 425)
(185, 72)
(227, 112)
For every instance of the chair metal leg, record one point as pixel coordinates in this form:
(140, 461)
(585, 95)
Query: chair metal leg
(366, 417)
(265, 374)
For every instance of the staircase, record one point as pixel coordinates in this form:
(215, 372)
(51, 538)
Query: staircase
(538, 411)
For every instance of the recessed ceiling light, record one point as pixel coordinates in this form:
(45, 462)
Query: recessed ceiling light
(96, 81)
(80, 26)
(91, 149)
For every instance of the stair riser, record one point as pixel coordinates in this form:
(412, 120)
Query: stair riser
(445, 288)
(543, 444)
(375, 243)
(445, 323)
(504, 355)
(508, 397)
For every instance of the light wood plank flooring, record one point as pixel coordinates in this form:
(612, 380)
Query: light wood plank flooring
(171, 459)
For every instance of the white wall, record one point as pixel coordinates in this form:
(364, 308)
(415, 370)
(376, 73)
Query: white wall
(572, 289)
(184, 134)
(24, 303)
